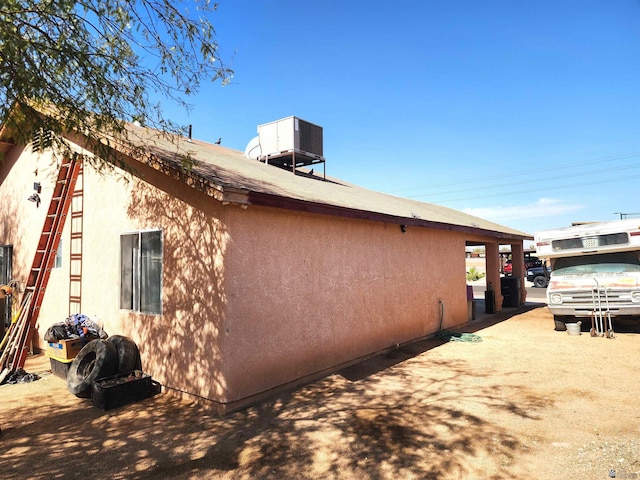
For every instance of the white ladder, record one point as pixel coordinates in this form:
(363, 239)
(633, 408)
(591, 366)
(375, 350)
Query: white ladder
(601, 324)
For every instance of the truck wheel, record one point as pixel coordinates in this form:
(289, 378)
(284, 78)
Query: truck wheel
(97, 359)
(540, 282)
(559, 320)
(128, 353)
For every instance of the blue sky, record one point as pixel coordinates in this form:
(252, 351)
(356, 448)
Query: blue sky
(524, 113)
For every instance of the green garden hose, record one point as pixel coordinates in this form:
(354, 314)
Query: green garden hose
(459, 337)
(454, 336)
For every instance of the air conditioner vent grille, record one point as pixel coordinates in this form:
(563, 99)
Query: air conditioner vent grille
(310, 138)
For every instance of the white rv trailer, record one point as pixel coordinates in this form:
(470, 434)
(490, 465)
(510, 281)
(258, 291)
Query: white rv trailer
(594, 267)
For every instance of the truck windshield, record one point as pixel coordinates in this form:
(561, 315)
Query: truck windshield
(622, 262)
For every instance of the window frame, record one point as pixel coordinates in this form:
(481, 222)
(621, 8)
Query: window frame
(136, 285)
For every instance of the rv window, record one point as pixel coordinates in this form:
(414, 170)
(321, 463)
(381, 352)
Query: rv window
(605, 263)
(592, 241)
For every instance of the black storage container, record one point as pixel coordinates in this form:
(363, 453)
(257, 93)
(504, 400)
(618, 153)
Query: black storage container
(60, 367)
(489, 301)
(122, 389)
(510, 291)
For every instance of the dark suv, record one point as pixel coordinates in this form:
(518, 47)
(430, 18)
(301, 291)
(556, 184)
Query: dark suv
(539, 276)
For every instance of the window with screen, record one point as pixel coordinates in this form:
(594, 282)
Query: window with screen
(141, 272)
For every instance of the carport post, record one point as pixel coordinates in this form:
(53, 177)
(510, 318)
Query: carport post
(492, 260)
(517, 260)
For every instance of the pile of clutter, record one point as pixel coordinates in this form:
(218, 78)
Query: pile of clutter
(77, 325)
(20, 376)
(105, 368)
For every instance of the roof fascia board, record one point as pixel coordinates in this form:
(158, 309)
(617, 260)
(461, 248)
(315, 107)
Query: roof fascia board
(273, 201)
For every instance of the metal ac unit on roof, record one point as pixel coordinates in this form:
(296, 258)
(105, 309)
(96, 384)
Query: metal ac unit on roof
(290, 135)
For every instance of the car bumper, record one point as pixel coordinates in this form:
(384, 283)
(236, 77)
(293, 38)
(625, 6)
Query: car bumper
(587, 310)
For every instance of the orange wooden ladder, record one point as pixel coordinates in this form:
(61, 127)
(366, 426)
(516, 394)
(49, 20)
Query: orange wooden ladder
(14, 354)
(75, 245)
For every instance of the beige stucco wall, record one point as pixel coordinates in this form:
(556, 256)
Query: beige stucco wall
(180, 347)
(307, 292)
(252, 298)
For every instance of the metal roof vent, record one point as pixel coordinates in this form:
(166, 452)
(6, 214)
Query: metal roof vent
(288, 143)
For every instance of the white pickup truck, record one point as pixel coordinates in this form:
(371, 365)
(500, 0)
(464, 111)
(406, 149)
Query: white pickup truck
(595, 270)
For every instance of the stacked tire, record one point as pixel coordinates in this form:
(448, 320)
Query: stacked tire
(100, 359)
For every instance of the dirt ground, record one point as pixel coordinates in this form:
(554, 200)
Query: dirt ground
(524, 403)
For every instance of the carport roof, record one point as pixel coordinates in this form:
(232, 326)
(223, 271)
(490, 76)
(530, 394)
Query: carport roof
(229, 176)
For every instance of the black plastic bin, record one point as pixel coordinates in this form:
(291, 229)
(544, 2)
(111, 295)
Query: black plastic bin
(489, 301)
(510, 291)
(122, 389)
(60, 367)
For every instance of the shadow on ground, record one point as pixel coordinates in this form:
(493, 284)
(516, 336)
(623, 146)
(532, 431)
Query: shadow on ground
(400, 415)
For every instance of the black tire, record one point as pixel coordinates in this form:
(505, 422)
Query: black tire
(540, 282)
(97, 359)
(127, 352)
(559, 321)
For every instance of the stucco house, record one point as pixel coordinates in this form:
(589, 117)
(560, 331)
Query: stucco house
(236, 277)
